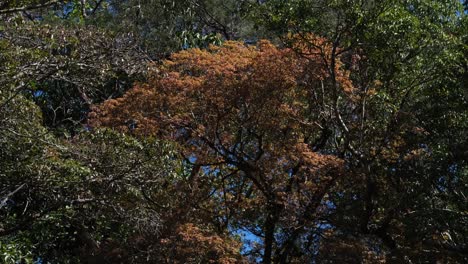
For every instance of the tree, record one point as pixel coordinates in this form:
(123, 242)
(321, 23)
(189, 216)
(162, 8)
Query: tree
(64, 70)
(248, 115)
(68, 201)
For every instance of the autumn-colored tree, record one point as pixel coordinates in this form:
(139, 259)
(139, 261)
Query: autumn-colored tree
(251, 116)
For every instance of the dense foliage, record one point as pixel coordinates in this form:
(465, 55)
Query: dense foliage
(172, 131)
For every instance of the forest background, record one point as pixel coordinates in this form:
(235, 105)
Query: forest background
(223, 131)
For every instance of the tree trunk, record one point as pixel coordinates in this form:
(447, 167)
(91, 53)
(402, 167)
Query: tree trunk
(270, 224)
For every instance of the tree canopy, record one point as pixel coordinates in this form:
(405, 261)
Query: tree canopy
(300, 131)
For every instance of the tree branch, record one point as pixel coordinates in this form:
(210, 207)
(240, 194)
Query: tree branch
(5, 199)
(26, 8)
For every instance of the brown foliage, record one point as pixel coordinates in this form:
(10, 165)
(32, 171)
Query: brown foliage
(253, 109)
(192, 244)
